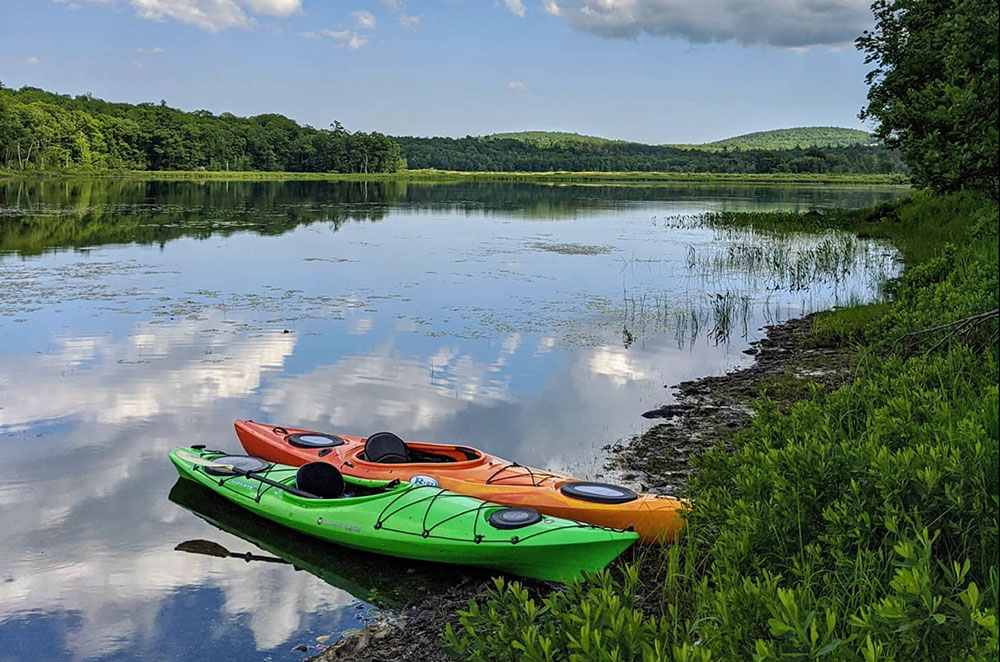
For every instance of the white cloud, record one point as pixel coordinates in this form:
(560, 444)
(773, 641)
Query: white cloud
(344, 38)
(209, 15)
(365, 19)
(150, 51)
(31, 61)
(137, 64)
(517, 86)
(398, 7)
(273, 7)
(515, 7)
(782, 23)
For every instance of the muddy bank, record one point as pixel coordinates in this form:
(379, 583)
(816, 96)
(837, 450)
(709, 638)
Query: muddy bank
(413, 634)
(704, 411)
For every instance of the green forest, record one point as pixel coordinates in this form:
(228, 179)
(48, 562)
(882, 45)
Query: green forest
(43, 131)
(514, 154)
(800, 137)
(40, 130)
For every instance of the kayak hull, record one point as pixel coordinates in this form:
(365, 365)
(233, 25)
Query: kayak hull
(418, 522)
(472, 472)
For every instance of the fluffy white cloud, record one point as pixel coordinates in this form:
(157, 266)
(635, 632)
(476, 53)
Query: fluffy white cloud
(344, 38)
(782, 23)
(515, 7)
(365, 19)
(517, 86)
(31, 60)
(209, 15)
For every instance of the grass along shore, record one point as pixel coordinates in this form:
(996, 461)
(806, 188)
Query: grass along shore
(853, 525)
(451, 176)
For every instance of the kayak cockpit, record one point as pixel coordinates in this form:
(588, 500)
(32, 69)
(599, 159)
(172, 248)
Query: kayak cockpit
(388, 448)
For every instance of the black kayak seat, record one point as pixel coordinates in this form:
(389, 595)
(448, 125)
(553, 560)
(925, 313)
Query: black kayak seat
(320, 479)
(386, 448)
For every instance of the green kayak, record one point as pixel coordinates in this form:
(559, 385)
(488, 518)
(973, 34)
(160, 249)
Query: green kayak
(415, 520)
(363, 575)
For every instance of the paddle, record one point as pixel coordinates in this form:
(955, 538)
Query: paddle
(194, 459)
(209, 548)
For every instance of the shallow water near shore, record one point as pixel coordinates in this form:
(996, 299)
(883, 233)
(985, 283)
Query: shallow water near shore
(536, 322)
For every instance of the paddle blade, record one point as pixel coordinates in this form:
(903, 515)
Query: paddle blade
(206, 547)
(194, 459)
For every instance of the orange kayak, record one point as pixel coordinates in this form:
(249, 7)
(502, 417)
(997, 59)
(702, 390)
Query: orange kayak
(469, 471)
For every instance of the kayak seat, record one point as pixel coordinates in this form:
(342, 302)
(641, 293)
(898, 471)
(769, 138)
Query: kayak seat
(321, 479)
(386, 448)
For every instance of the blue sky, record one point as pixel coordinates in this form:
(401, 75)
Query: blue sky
(647, 70)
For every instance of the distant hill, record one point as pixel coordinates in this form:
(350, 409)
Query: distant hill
(800, 137)
(796, 138)
(550, 138)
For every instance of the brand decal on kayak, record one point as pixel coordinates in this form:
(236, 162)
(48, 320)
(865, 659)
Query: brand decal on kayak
(424, 481)
(338, 525)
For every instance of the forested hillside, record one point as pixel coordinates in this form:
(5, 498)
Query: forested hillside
(800, 137)
(549, 138)
(40, 130)
(777, 139)
(498, 154)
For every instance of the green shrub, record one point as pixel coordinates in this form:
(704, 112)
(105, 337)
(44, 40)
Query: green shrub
(593, 621)
(860, 525)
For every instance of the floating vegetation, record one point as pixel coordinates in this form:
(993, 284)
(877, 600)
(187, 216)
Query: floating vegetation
(572, 249)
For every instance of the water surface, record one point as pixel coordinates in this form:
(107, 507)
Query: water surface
(536, 322)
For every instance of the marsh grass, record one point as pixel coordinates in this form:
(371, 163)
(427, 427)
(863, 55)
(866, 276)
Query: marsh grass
(739, 264)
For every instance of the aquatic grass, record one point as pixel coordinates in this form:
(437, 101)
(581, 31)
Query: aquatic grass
(571, 249)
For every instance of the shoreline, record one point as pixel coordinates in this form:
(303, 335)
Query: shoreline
(786, 360)
(452, 176)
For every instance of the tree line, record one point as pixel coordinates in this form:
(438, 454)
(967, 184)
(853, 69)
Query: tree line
(509, 154)
(41, 130)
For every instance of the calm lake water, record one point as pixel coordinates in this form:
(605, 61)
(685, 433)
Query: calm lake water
(536, 322)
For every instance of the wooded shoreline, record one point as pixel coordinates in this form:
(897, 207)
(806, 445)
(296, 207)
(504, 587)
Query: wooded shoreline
(444, 176)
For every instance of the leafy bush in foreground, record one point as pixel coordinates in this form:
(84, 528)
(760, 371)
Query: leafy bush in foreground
(860, 526)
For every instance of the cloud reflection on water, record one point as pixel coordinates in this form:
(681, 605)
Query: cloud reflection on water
(444, 325)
